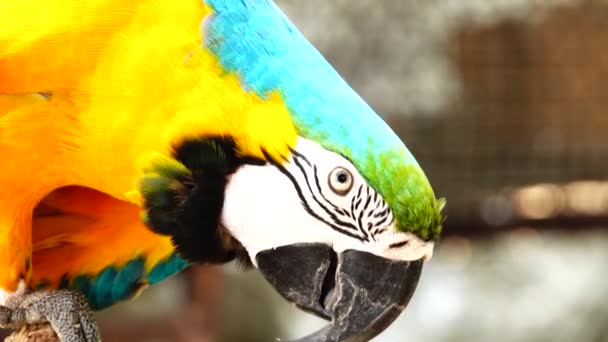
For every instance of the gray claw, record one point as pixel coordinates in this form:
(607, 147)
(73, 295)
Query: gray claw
(67, 311)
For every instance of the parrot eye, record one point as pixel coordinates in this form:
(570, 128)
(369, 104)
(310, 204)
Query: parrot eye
(340, 181)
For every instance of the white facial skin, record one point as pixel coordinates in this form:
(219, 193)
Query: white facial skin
(316, 197)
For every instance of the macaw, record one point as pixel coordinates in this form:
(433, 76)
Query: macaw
(137, 137)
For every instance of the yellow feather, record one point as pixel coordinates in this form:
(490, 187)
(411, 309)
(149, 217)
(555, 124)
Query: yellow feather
(126, 80)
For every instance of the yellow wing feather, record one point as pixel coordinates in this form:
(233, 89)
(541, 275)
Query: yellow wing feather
(89, 89)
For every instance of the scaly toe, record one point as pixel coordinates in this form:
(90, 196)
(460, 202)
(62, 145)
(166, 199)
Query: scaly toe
(67, 311)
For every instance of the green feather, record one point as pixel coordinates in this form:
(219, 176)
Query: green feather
(407, 191)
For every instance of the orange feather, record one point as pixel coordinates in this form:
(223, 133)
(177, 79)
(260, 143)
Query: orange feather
(90, 92)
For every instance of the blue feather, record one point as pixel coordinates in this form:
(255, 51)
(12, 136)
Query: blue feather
(101, 288)
(166, 269)
(114, 284)
(255, 40)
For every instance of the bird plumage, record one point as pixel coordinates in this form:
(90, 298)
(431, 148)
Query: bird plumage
(94, 92)
(255, 40)
(90, 92)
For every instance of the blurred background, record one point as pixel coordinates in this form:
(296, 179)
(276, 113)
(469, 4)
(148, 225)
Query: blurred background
(503, 103)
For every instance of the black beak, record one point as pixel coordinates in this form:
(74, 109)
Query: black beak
(359, 292)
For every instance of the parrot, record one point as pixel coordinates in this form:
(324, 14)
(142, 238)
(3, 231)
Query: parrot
(139, 137)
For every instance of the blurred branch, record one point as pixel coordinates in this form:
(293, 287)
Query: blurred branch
(479, 228)
(33, 333)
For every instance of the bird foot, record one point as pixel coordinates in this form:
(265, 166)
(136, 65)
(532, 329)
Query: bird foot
(66, 310)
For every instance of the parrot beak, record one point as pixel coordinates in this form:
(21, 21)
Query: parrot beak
(360, 293)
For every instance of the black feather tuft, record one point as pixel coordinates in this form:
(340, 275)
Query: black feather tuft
(188, 207)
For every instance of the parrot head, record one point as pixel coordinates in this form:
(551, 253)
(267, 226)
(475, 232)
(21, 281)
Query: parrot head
(339, 219)
(342, 238)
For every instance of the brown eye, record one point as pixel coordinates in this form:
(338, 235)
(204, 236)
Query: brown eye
(340, 181)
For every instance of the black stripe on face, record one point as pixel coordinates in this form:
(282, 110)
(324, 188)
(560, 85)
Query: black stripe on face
(378, 225)
(382, 213)
(369, 199)
(399, 244)
(360, 222)
(383, 229)
(321, 191)
(352, 207)
(300, 155)
(327, 211)
(369, 213)
(305, 204)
